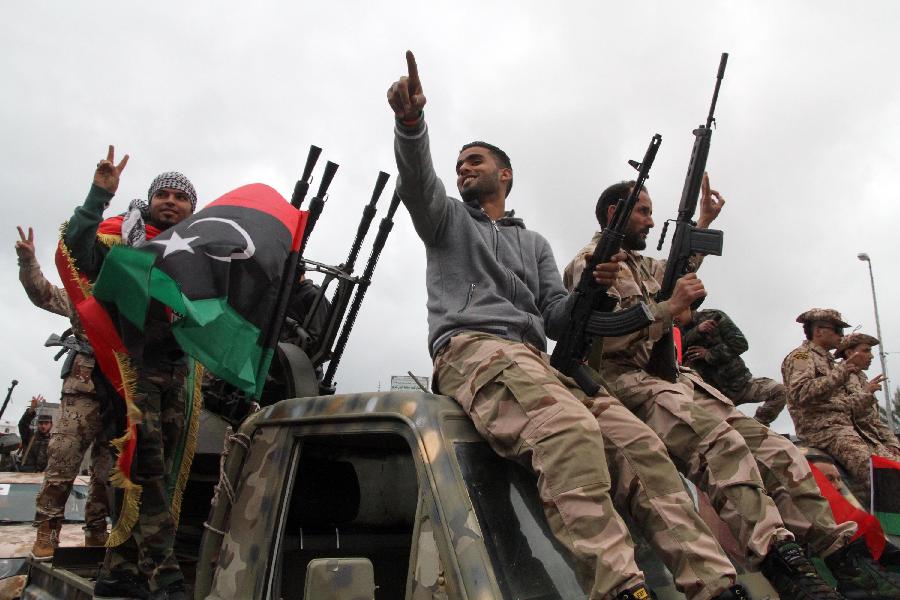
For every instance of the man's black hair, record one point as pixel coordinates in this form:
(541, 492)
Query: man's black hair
(808, 329)
(609, 197)
(499, 156)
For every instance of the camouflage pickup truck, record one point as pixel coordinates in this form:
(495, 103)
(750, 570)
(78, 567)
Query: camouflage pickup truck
(382, 495)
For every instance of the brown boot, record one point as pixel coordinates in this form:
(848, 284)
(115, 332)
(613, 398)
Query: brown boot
(46, 541)
(95, 537)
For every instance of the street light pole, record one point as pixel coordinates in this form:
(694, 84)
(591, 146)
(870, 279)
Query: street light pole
(887, 387)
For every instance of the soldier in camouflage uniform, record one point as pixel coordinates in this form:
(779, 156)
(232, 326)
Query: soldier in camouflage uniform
(713, 346)
(832, 404)
(34, 443)
(493, 289)
(145, 564)
(757, 480)
(80, 422)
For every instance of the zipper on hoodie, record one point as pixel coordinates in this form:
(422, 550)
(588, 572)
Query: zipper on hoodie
(468, 298)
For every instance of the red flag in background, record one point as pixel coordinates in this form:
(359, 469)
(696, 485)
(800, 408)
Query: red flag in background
(843, 511)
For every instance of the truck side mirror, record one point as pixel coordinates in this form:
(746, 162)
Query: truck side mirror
(340, 579)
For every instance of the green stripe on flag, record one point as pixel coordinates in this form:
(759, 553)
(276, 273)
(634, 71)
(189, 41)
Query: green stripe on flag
(209, 330)
(124, 280)
(890, 522)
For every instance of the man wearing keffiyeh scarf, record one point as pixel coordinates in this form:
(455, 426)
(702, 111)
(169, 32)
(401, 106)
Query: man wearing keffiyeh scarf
(140, 561)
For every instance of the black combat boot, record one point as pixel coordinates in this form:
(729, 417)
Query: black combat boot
(793, 575)
(638, 592)
(120, 585)
(859, 577)
(735, 592)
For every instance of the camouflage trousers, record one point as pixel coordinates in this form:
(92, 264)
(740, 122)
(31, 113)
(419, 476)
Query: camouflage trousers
(149, 552)
(758, 481)
(772, 394)
(530, 412)
(854, 454)
(79, 427)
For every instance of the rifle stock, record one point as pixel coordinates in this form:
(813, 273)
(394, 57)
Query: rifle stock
(591, 314)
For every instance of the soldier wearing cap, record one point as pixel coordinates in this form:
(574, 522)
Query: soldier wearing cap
(34, 444)
(826, 397)
(832, 403)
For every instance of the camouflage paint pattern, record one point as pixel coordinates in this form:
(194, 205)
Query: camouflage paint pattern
(79, 427)
(241, 568)
(243, 556)
(149, 551)
(340, 579)
(429, 580)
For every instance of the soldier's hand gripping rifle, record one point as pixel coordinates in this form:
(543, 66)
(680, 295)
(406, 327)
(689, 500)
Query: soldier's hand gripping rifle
(8, 396)
(688, 239)
(592, 313)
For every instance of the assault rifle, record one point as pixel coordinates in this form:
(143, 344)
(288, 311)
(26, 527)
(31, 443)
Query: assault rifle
(592, 315)
(687, 240)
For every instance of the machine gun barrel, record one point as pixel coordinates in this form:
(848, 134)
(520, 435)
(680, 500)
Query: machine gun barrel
(591, 314)
(14, 383)
(366, 221)
(384, 229)
(318, 202)
(302, 186)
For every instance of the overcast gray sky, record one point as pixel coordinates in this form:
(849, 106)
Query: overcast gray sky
(233, 93)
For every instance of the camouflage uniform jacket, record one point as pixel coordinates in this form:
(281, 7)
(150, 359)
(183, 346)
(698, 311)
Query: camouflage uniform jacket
(51, 298)
(723, 366)
(47, 296)
(639, 281)
(819, 400)
(865, 415)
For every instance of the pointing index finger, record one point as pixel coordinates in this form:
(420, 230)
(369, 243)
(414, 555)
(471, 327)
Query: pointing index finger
(110, 154)
(412, 69)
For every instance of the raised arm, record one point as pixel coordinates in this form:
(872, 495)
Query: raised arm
(41, 292)
(418, 185)
(81, 231)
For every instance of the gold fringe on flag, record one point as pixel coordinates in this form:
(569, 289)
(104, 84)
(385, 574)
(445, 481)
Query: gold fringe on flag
(190, 442)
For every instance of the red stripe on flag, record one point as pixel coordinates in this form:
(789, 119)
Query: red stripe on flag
(843, 511)
(884, 463)
(258, 196)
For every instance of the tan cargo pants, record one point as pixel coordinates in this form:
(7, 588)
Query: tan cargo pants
(528, 411)
(757, 480)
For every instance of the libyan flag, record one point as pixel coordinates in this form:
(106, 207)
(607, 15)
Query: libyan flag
(886, 493)
(220, 272)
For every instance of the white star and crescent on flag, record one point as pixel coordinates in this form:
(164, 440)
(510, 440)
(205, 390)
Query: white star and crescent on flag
(176, 243)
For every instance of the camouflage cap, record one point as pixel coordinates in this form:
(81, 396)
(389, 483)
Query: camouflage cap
(828, 315)
(45, 418)
(854, 339)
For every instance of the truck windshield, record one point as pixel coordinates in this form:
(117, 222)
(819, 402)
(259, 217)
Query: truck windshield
(528, 561)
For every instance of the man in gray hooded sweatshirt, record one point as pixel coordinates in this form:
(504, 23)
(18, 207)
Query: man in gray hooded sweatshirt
(494, 295)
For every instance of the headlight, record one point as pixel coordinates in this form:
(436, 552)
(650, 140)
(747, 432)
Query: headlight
(10, 567)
